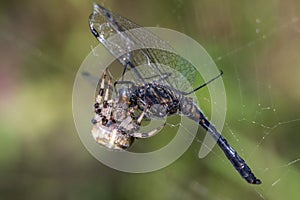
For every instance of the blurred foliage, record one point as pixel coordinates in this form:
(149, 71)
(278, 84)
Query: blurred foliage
(42, 46)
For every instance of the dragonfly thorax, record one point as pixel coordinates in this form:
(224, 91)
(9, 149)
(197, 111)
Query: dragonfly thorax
(160, 100)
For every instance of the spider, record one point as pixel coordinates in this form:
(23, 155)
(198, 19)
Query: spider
(115, 125)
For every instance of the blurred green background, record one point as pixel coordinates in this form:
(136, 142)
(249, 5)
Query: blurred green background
(256, 43)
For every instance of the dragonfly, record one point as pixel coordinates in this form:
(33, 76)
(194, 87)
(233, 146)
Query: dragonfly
(152, 91)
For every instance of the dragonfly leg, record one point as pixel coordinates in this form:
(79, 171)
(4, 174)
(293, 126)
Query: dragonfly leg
(204, 84)
(141, 79)
(162, 76)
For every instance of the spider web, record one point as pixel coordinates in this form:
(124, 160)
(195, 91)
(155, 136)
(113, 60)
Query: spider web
(261, 115)
(260, 126)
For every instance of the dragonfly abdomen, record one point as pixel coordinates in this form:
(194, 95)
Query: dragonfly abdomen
(162, 101)
(192, 111)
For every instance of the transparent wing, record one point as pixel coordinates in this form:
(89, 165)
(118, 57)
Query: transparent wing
(145, 56)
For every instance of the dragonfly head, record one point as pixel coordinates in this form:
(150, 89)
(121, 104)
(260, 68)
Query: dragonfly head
(111, 136)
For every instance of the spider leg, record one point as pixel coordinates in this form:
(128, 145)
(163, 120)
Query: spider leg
(139, 120)
(102, 110)
(107, 90)
(149, 134)
(101, 90)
